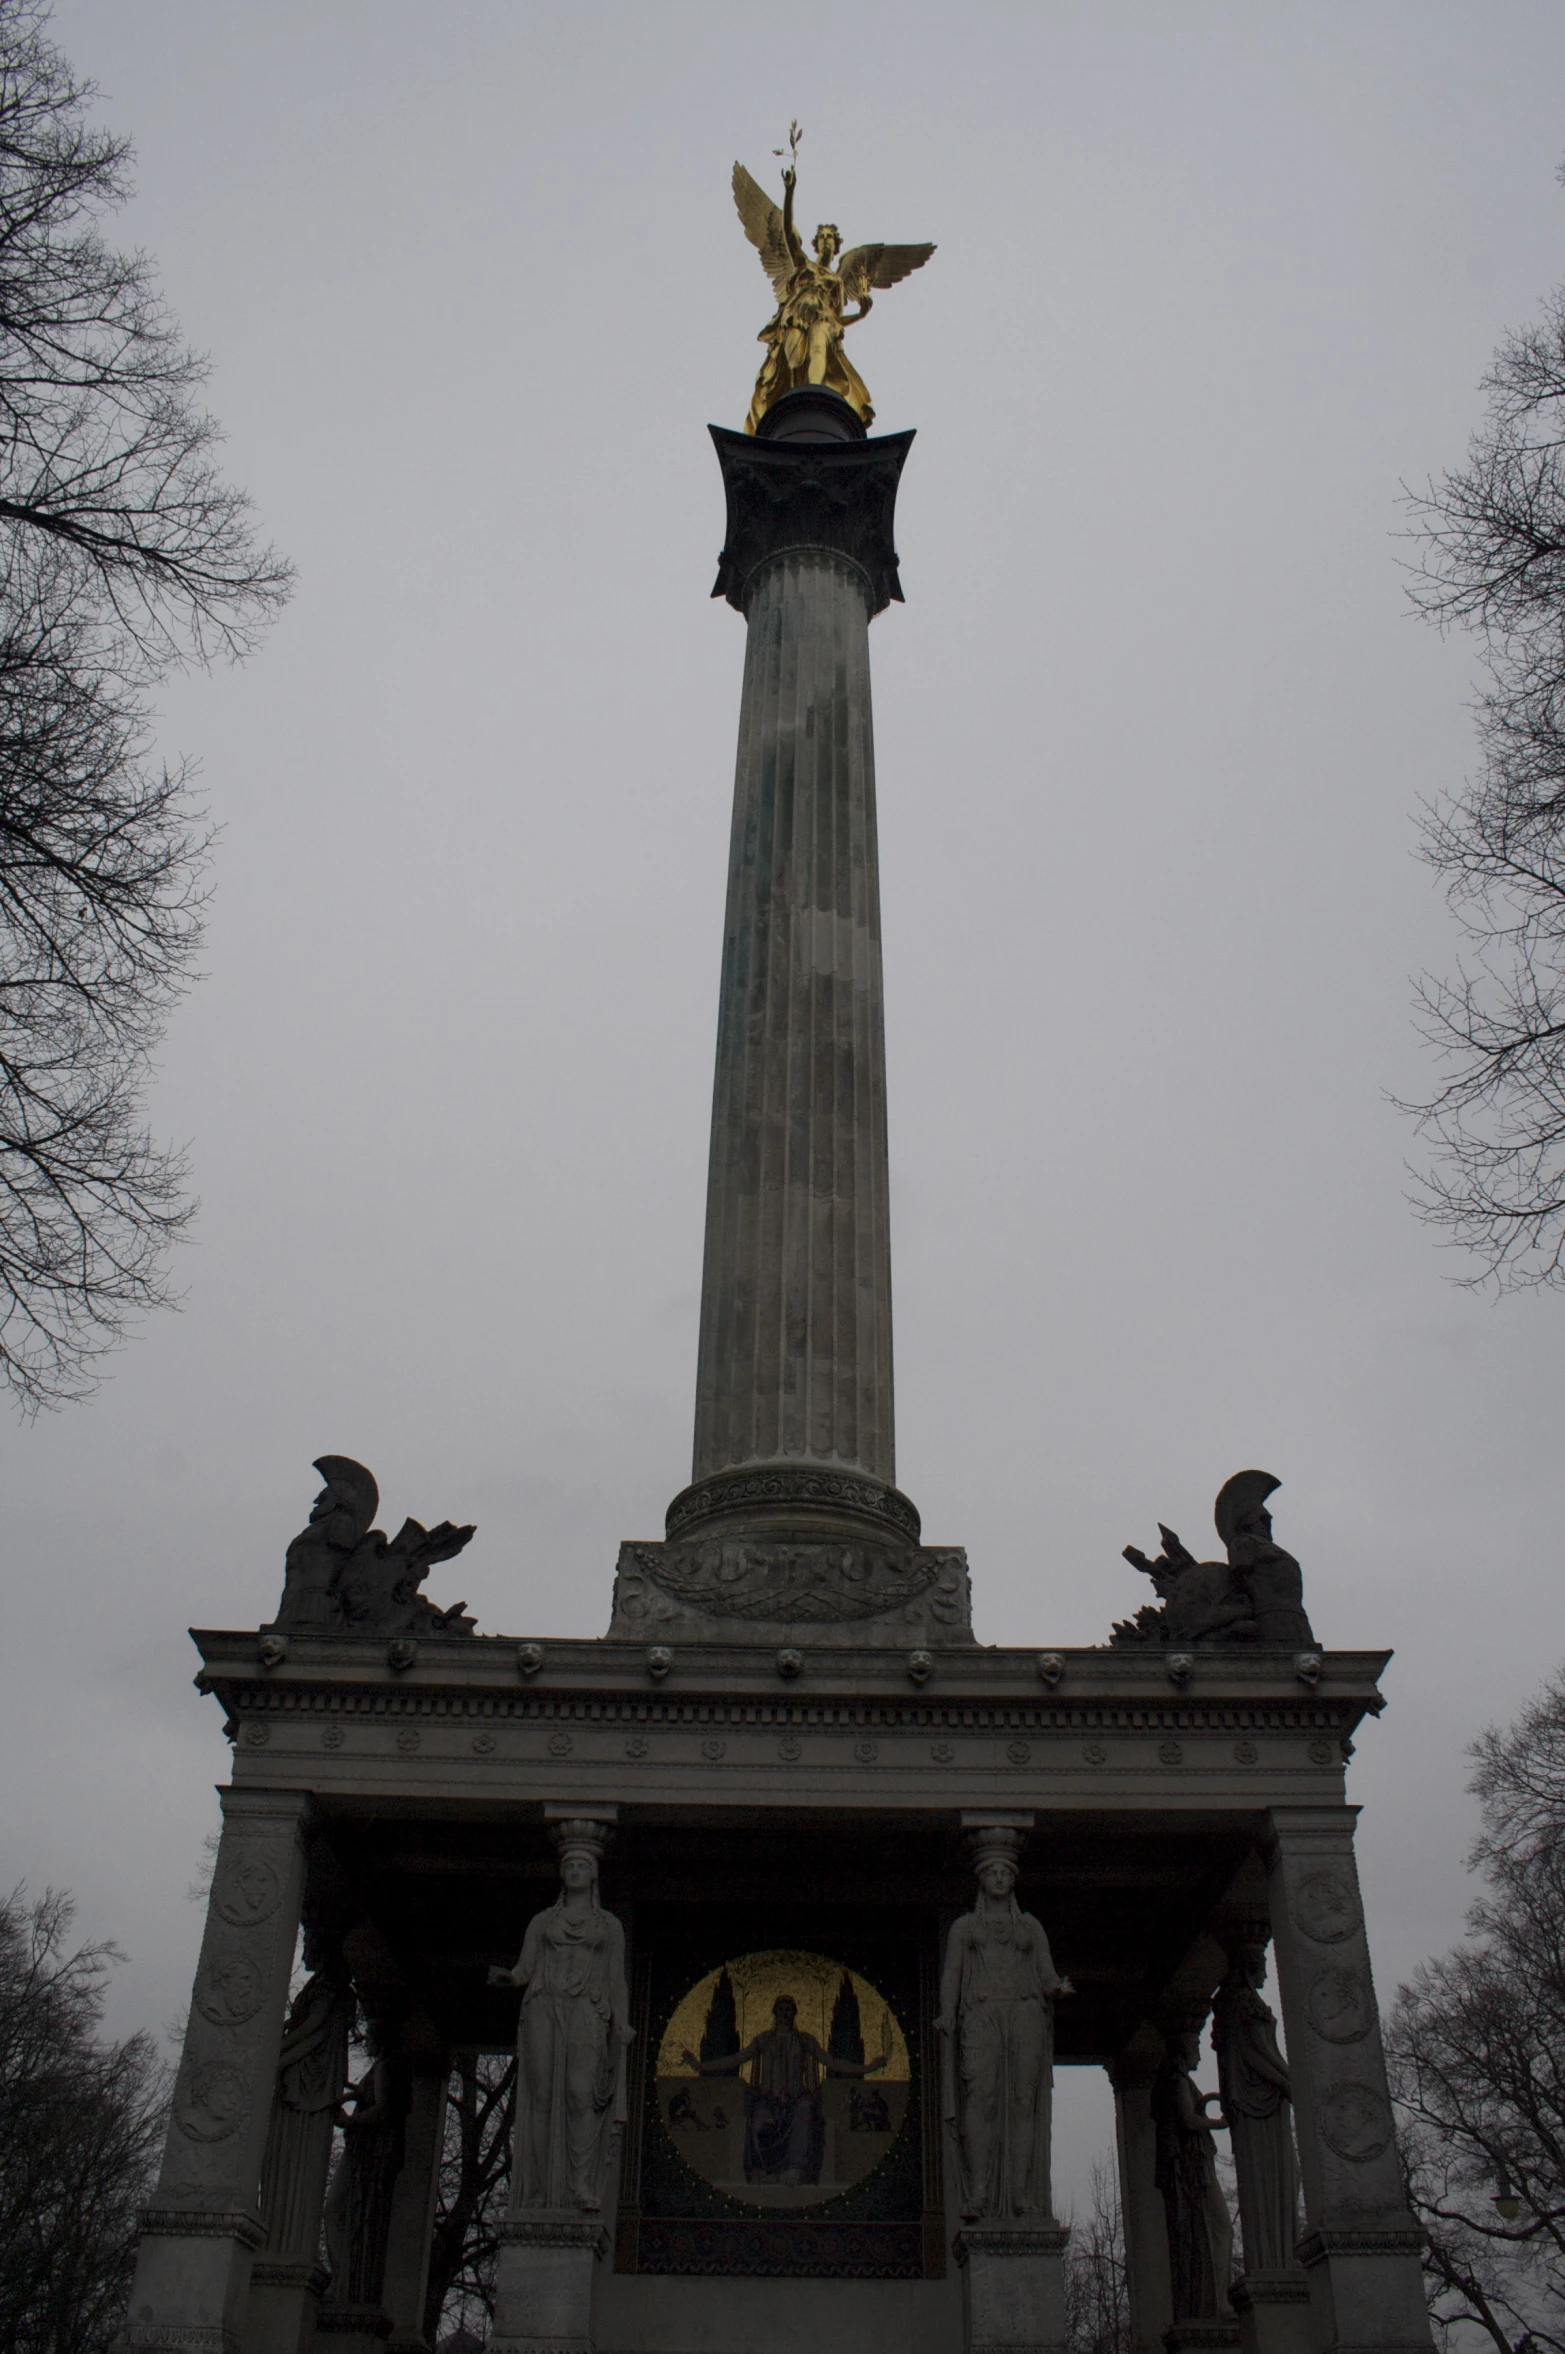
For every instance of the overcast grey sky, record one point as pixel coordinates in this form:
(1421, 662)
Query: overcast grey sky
(1212, 280)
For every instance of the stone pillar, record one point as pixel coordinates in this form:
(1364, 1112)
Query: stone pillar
(288, 2276)
(794, 1419)
(199, 2235)
(405, 2281)
(1361, 2246)
(1141, 2203)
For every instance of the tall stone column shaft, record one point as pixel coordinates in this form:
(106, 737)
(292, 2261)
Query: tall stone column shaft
(1361, 2245)
(202, 2230)
(794, 1424)
(795, 1358)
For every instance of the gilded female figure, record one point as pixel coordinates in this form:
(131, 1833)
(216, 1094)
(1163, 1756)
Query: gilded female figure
(570, 2038)
(804, 337)
(997, 2017)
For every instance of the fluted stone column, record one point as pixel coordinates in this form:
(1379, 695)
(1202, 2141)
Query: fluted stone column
(794, 1421)
(796, 1314)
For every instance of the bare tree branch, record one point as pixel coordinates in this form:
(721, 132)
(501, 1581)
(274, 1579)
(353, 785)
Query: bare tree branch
(80, 2125)
(1476, 2047)
(122, 554)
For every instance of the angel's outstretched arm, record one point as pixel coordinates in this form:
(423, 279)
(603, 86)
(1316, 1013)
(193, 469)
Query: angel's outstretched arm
(790, 234)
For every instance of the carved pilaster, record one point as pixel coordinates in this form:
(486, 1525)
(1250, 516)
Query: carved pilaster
(198, 2238)
(1360, 2247)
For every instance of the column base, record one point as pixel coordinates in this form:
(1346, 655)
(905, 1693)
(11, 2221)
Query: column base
(1013, 2287)
(1200, 2337)
(543, 2283)
(1274, 2312)
(1367, 2288)
(192, 2274)
(354, 2329)
(285, 2298)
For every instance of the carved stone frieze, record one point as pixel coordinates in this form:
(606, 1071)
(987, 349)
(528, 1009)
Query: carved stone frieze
(743, 1590)
(799, 1488)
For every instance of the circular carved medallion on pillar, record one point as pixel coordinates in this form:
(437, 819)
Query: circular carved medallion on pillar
(211, 2103)
(1355, 2122)
(248, 1892)
(230, 1990)
(1339, 2006)
(1325, 1906)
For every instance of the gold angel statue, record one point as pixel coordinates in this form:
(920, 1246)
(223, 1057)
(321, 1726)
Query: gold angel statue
(804, 337)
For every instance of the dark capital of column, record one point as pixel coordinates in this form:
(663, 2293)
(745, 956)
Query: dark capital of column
(794, 1418)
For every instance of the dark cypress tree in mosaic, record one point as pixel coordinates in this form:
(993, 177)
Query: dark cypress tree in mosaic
(846, 2040)
(720, 2035)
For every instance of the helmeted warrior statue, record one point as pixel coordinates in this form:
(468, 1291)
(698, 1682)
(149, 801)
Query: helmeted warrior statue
(343, 1577)
(1255, 1596)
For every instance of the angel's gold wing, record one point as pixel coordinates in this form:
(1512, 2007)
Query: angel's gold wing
(763, 225)
(869, 266)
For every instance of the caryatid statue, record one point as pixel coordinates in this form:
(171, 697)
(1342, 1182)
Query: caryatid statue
(571, 2036)
(1257, 2108)
(1200, 2234)
(997, 1995)
(804, 337)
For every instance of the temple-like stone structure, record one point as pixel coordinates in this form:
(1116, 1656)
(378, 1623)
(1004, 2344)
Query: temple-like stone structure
(789, 1895)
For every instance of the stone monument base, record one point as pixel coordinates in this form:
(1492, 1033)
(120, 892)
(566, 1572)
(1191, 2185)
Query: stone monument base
(1274, 2313)
(543, 2283)
(283, 2312)
(1013, 2287)
(1201, 2337)
(354, 2329)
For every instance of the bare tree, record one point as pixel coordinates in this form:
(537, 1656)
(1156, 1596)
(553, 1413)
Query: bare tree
(1476, 2045)
(122, 555)
(1097, 2284)
(80, 2125)
(1492, 559)
(475, 2167)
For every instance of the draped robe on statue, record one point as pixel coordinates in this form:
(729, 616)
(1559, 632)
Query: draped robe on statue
(784, 2128)
(570, 2081)
(1000, 2076)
